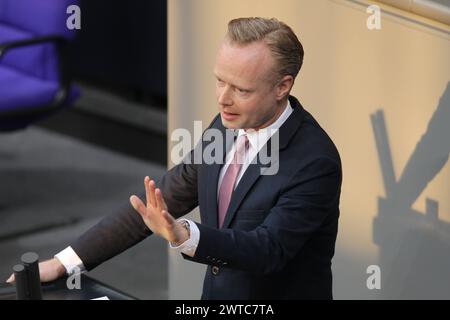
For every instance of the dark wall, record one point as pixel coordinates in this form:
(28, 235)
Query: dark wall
(122, 46)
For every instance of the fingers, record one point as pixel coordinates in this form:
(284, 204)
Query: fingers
(147, 189)
(152, 185)
(161, 204)
(138, 205)
(11, 279)
(150, 191)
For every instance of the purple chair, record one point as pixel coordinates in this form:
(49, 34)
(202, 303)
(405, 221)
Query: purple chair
(34, 81)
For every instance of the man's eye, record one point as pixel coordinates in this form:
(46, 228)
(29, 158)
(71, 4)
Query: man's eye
(242, 90)
(220, 83)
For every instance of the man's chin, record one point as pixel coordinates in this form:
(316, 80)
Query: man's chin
(230, 124)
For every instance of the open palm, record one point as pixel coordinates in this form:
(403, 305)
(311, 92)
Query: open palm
(155, 214)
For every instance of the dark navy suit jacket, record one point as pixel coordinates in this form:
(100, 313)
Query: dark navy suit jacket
(280, 230)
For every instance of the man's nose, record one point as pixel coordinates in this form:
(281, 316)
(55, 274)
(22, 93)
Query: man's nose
(224, 96)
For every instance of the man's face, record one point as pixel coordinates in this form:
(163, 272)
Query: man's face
(245, 89)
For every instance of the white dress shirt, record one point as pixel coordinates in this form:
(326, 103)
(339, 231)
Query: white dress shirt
(257, 139)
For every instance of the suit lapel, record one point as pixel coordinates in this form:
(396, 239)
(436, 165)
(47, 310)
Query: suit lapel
(248, 179)
(211, 194)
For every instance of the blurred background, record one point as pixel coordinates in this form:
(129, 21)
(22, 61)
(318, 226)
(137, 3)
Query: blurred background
(142, 69)
(61, 171)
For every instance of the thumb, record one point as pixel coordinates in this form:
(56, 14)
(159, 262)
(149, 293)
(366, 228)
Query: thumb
(138, 205)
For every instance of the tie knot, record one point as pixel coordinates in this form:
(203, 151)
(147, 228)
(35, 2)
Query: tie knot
(241, 149)
(242, 143)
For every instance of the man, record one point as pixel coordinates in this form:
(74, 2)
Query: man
(262, 236)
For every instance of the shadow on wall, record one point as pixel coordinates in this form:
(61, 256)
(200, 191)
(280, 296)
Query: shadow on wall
(414, 246)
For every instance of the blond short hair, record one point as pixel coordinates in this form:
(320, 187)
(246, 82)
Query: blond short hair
(279, 37)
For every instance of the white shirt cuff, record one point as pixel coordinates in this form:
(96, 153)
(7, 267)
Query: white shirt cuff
(189, 246)
(71, 261)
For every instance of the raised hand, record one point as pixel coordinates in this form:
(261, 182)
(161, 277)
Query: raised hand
(156, 216)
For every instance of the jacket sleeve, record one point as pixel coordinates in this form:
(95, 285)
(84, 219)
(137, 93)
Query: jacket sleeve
(125, 228)
(308, 201)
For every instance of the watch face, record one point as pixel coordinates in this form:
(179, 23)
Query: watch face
(188, 228)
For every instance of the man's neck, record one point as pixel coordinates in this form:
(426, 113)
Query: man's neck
(282, 105)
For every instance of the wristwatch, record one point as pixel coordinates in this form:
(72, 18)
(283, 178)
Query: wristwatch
(187, 226)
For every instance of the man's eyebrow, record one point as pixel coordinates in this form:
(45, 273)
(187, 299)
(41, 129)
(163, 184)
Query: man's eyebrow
(234, 85)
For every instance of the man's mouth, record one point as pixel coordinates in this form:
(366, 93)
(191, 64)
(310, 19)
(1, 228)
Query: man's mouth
(229, 115)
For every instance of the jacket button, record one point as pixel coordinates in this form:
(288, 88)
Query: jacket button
(215, 270)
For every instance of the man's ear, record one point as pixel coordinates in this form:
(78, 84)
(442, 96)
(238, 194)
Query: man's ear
(284, 86)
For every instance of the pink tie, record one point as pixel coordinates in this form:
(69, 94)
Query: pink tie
(229, 179)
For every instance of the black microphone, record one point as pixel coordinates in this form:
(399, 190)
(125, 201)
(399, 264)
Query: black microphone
(20, 276)
(28, 281)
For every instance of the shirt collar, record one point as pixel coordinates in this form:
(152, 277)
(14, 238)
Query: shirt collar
(257, 138)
